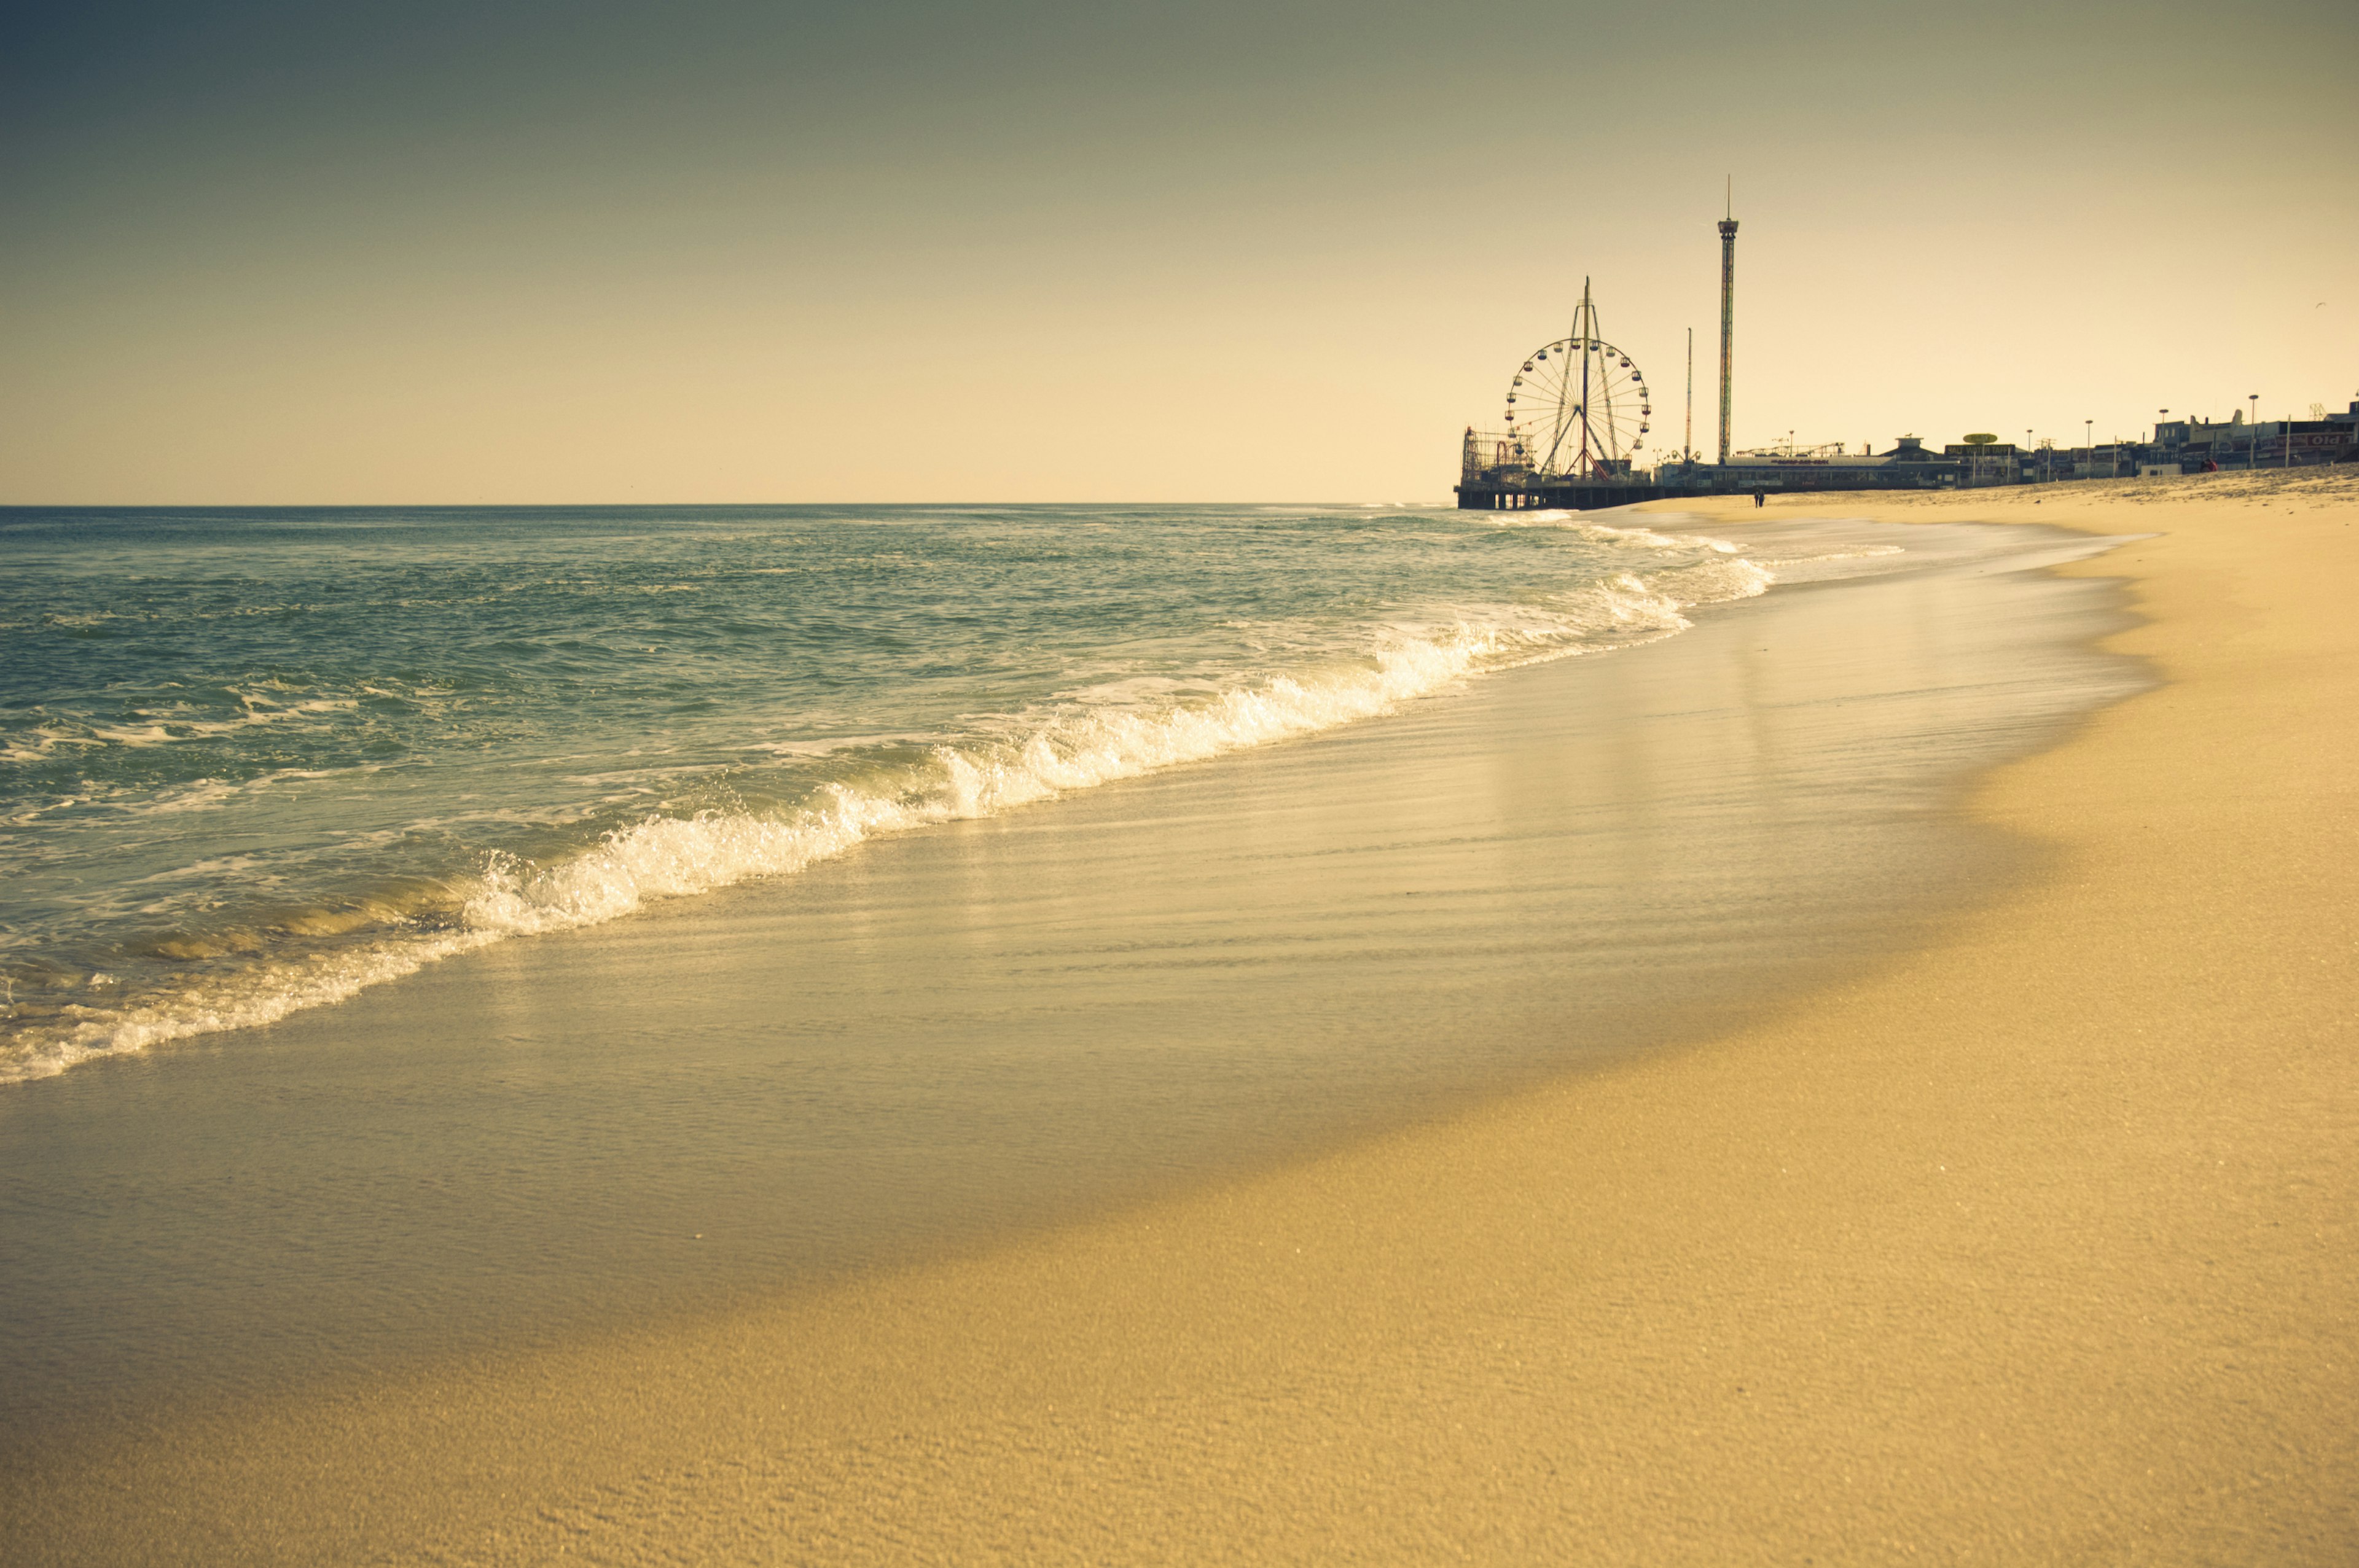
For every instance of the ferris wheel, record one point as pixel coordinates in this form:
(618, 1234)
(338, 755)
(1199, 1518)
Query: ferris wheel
(1579, 408)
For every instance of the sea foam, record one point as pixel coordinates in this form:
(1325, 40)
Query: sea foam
(1082, 748)
(1094, 735)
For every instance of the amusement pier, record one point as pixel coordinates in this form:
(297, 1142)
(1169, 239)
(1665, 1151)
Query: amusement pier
(1577, 414)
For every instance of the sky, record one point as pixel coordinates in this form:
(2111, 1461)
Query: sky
(1287, 250)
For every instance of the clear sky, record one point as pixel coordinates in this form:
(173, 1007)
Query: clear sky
(1270, 250)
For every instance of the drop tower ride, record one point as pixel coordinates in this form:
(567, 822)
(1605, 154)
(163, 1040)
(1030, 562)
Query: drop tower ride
(1727, 315)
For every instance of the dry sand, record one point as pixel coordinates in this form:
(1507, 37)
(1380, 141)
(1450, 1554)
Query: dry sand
(2034, 1245)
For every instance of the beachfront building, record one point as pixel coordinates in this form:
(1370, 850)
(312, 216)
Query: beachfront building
(2294, 442)
(2197, 445)
(1908, 465)
(1987, 460)
(2106, 460)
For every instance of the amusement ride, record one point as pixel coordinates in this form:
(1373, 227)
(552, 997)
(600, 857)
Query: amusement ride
(1578, 411)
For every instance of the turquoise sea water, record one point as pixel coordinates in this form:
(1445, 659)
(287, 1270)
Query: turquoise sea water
(254, 761)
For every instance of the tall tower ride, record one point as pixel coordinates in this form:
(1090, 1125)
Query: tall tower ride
(1727, 318)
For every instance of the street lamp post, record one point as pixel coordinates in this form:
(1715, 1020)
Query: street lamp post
(2253, 434)
(2089, 432)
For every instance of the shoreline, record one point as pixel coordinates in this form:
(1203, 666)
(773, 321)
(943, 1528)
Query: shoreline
(1929, 1261)
(343, 927)
(943, 1042)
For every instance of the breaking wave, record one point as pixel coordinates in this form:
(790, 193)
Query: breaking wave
(1090, 737)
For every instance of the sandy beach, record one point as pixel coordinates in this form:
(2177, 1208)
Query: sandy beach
(850, 787)
(2027, 1239)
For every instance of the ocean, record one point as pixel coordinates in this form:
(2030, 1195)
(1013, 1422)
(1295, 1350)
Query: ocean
(252, 761)
(452, 934)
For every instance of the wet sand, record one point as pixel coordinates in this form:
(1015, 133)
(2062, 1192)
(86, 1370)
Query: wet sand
(2026, 1236)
